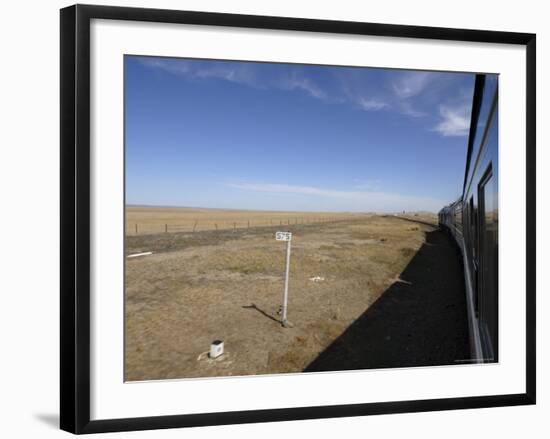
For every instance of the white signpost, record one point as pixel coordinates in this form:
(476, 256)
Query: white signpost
(285, 236)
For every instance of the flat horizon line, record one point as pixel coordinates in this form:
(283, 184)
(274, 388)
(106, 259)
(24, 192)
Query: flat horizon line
(171, 206)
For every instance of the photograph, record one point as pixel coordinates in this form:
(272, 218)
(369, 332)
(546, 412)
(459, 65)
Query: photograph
(288, 218)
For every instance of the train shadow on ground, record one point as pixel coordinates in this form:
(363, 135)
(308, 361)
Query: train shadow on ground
(420, 320)
(411, 220)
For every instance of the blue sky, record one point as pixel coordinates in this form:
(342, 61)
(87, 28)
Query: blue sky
(268, 136)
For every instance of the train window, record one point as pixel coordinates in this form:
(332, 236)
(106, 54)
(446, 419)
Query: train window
(471, 203)
(473, 228)
(471, 225)
(487, 270)
(458, 217)
(472, 250)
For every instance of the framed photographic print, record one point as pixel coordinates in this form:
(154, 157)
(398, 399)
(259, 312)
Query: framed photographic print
(274, 218)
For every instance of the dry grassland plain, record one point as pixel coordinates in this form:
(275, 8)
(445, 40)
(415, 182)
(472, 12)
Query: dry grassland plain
(227, 284)
(148, 220)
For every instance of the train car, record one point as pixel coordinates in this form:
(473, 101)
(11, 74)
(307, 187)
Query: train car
(450, 219)
(473, 221)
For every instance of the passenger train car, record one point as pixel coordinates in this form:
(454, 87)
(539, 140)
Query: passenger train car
(472, 220)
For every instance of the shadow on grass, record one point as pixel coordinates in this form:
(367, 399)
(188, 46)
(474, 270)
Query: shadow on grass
(411, 220)
(261, 311)
(419, 320)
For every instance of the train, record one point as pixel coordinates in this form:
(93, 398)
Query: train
(472, 221)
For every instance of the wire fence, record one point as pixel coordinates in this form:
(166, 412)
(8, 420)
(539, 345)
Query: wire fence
(202, 225)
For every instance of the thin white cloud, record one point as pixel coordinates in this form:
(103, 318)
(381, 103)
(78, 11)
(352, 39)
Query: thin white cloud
(289, 189)
(239, 73)
(354, 200)
(406, 98)
(296, 82)
(407, 109)
(366, 185)
(371, 104)
(359, 95)
(178, 67)
(455, 121)
(411, 83)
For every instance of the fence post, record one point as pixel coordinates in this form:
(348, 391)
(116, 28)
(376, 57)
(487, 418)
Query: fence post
(234, 226)
(136, 229)
(166, 228)
(195, 226)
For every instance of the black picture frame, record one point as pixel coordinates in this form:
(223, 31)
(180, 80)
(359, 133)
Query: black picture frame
(75, 217)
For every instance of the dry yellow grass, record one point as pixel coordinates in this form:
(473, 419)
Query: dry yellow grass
(197, 287)
(151, 220)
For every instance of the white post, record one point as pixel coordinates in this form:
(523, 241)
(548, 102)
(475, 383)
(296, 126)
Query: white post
(287, 270)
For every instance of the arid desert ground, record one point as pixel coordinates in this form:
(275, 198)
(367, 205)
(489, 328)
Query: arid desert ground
(227, 284)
